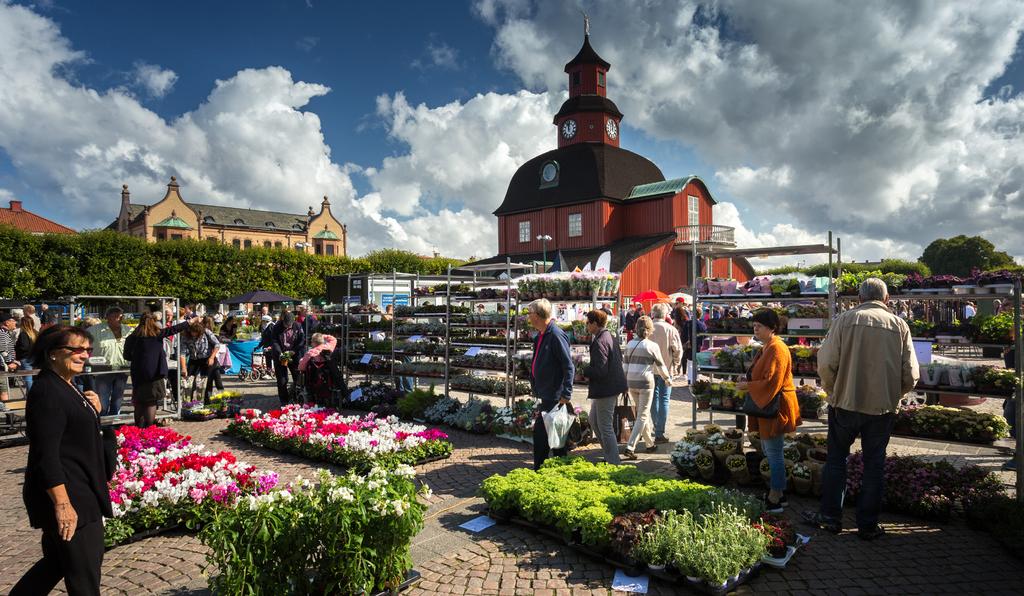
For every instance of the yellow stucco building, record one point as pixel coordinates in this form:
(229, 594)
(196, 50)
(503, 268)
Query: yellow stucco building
(172, 218)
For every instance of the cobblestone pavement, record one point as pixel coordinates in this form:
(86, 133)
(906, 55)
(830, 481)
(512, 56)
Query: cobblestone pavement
(917, 557)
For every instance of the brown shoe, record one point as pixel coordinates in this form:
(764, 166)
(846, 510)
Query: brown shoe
(661, 440)
(627, 454)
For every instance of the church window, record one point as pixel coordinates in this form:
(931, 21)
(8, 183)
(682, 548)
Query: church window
(330, 250)
(600, 79)
(693, 212)
(277, 244)
(524, 231)
(575, 224)
(266, 244)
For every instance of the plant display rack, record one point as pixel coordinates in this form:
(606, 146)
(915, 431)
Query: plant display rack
(708, 252)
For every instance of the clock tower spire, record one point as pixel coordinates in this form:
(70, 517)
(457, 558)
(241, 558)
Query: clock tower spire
(588, 116)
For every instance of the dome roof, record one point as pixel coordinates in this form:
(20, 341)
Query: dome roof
(585, 171)
(587, 55)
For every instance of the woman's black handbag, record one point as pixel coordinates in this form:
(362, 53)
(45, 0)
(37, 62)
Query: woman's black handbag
(750, 407)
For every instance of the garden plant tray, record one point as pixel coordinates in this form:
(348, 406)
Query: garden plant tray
(674, 578)
(781, 562)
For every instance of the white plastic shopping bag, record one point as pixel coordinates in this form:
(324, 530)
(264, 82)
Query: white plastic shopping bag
(557, 422)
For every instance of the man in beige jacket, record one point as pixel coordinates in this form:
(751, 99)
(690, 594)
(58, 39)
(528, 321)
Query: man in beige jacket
(671, 347)
(867, 364)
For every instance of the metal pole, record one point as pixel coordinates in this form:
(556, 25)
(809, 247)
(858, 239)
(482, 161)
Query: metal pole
(831, 286)
(693, 328)
(544, 245)
(1018, 346)
(394, 313)
(346, 327)
(510, 342)
(447, 329)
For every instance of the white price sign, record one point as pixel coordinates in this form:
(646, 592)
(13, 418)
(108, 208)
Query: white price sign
(473, 351)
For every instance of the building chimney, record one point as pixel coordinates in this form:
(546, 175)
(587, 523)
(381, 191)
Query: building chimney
(16, 206)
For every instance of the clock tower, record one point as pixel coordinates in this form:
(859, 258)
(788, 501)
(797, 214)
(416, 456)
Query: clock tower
(588, 116)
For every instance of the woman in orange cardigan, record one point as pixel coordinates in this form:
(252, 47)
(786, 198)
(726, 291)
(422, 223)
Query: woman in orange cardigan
(771, 373)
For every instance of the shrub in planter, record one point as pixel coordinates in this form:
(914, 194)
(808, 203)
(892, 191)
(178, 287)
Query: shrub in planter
(737, 466)
(414, 403)
(343, 535)
(716, 546)
(802, 478)
(791, 452)
(766, 469)
(437, 412)
(684, 458)
(755, 440)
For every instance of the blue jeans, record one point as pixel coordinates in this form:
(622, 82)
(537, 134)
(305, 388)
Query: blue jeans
(843, 428)
(26, 364)
(659, 406)
(773, 451)
(111, 391)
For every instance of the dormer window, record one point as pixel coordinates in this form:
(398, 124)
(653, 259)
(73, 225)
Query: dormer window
(297, 226)
(208, 220)
(600, 79)
(549, 174)
(269, 224)
(239, 221)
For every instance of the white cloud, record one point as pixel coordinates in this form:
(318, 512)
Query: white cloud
(155, 81)
(307, 43)
(872, 113)
(438, 55)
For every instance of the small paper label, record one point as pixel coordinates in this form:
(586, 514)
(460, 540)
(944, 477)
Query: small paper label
(478, 524)
(366, 359)
(473, 351)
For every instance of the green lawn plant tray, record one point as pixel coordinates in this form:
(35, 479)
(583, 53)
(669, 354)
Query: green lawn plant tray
(698, 535)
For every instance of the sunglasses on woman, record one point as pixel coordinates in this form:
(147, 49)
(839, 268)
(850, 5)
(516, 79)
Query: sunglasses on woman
(76, 350)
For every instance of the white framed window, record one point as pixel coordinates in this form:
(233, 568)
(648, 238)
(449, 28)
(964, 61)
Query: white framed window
(693, 213)
(575, 224)
(524, 231)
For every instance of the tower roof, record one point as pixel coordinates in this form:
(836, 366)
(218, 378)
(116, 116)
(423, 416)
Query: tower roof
(587, 55)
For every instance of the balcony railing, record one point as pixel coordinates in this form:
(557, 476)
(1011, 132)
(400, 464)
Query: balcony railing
(717, 235)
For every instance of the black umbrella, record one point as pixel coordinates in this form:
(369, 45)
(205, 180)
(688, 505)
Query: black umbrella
(260, 296)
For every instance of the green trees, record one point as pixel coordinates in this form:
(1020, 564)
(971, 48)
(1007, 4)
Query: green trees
(959, 254)
(109, 263)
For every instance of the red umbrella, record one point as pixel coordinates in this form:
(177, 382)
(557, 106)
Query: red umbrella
(650, 298)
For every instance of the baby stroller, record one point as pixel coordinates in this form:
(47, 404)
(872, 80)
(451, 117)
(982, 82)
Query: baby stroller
(259, 370)
(323, 379)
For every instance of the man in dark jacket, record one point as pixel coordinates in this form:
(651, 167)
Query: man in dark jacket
(309, 326)
(691, 346)
(286, 340)
(551, 374)
(607, 382)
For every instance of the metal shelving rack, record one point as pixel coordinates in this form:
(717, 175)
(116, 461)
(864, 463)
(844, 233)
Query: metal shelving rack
(720, 249)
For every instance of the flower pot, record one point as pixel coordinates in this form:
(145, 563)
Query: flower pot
(703, 403)
(802, 486)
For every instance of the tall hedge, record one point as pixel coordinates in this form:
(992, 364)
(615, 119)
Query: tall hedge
(109, 263)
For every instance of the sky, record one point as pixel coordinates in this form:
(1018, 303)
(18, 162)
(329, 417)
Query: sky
(891, 124)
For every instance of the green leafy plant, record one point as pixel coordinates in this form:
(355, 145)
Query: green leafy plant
(414, 403)
(343, 535)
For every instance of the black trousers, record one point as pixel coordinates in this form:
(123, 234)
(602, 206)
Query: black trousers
(212, 375)
(541, 451)
(78, 562)
(281, 372)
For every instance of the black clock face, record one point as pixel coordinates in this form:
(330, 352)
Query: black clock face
(612, 129)
(569, 129)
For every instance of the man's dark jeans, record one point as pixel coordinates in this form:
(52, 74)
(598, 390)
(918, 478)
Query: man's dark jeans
(541, 451)
(844, 427)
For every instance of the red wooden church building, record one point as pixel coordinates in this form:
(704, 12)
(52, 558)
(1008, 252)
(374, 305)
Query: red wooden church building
(590, 196)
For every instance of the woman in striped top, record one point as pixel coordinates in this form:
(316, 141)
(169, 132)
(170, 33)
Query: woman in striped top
(643, 361)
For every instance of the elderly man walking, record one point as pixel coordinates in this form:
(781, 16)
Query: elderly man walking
(867, 364)
(667, 338)
(551, 374)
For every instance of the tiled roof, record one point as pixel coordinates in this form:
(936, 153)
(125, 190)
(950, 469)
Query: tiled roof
(17, 217)
(587, 55)
(325, 235)
(227, 216)
(623, 252)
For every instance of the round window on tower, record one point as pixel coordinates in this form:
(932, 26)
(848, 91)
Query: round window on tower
(549, 174)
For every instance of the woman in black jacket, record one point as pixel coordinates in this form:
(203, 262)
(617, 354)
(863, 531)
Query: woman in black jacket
(607, 382)
(65, 489)
(23, 346)
(145, 348)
